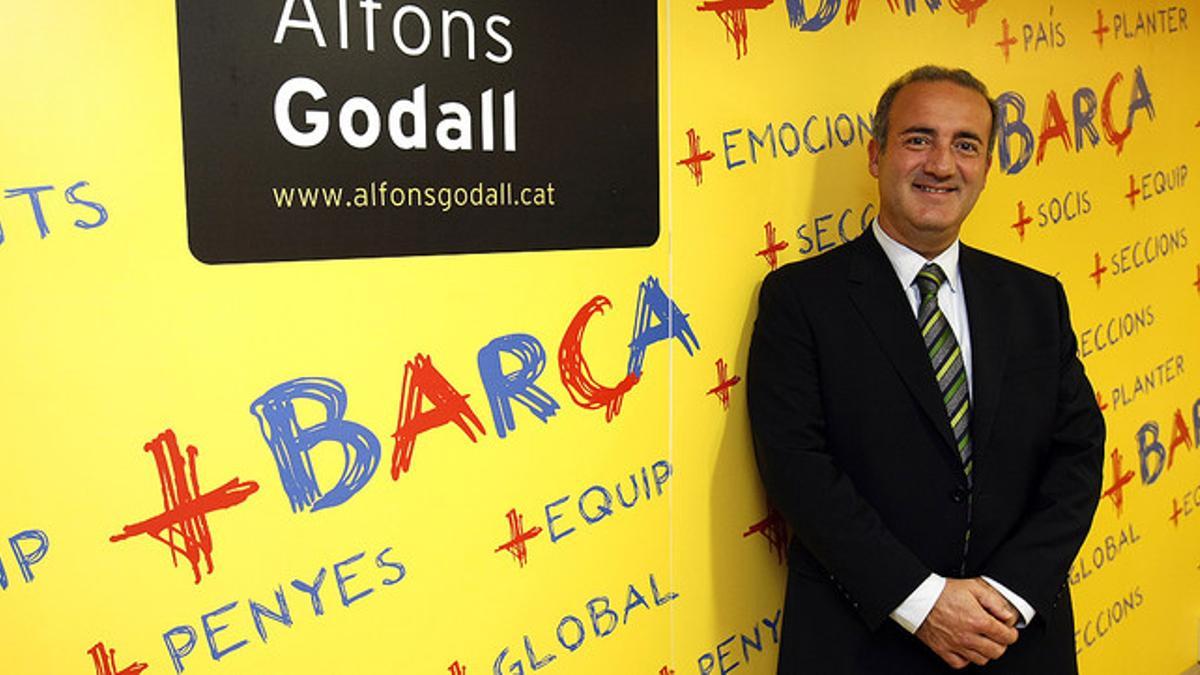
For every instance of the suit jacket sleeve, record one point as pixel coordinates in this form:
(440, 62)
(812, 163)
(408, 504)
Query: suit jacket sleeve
(833, 521)
(1035, 559)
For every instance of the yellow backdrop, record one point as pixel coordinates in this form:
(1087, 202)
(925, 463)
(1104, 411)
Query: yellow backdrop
(647, 543)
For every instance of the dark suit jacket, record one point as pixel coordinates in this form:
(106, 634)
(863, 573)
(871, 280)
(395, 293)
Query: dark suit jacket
(855, 449)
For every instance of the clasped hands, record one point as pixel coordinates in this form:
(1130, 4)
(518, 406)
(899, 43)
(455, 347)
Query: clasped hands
(970, 623)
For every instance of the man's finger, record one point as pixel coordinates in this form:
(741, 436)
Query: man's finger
(1001, 609)
(996, 604)
(998, 607)
(969, 655)
(953, 660)
(998, 632)
(982, 646)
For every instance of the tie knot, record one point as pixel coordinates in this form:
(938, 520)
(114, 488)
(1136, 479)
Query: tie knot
(929, 279)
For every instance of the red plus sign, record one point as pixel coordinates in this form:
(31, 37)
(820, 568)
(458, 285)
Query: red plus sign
(1116, 492)
(1133, 193)
(771, 252)
(774, 528)
(1176, 512)
(1099, 271)
(516, 545)
(693, 162)
(1100, 402)
(724, 383)
(732, 14)
(968, 7)
(456, 669)
(1022, 220)
(666, 671)
(183, 524)
(1101, 29)
(105, 661)
(1007, 41)
(1196, 283)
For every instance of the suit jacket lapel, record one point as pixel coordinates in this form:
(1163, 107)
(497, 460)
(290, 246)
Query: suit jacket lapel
(878, 297)
(989, 317)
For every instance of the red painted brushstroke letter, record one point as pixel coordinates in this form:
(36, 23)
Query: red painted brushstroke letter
(576, 376)
(423, 381)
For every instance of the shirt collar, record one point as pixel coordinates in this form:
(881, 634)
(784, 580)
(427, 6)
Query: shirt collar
(907, 262)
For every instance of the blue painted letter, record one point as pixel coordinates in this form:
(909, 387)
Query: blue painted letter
(291, 444)
(101, 212)
(652, 302)
(1148, 444)
(36, 202)
(502, 387)
(178, 652)
(26, 561)
(824, 15)
(1084, 106)
(1013, 127)
(210, 632)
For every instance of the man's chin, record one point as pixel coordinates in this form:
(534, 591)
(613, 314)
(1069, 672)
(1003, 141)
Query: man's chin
(938, 226)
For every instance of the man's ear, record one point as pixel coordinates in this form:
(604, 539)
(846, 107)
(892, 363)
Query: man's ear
(873, 157)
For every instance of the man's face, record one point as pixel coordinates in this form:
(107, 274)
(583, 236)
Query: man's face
(935, 163)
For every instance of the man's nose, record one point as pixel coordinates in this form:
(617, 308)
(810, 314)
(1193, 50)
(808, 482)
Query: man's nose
(939, 161)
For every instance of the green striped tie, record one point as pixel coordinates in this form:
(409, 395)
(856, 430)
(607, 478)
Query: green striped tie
(946, 357)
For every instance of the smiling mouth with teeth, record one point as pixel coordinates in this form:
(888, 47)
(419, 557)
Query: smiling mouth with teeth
(934, 190)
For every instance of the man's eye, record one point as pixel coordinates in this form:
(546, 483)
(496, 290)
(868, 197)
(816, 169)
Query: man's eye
(916, 140)
(967, 146)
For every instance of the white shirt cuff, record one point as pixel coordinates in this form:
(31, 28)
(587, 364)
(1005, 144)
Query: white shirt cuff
(1024, 608)
(912, 612)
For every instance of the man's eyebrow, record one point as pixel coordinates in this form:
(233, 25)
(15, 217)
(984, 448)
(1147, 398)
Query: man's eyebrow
(930, 131)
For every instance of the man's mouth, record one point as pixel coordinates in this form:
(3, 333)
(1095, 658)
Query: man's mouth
(934, 190)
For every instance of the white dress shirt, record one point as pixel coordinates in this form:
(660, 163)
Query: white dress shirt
(953, 303)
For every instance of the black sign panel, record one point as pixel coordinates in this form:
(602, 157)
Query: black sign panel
(361, 128)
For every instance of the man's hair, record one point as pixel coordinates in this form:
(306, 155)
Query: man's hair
(959, 76)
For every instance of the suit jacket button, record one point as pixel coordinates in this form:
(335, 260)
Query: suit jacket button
(959, 495)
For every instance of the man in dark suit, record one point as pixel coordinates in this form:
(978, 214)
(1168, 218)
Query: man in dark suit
(922, 421)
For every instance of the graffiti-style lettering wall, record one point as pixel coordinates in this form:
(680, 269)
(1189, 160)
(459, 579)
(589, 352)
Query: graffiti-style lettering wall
(385, 337)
